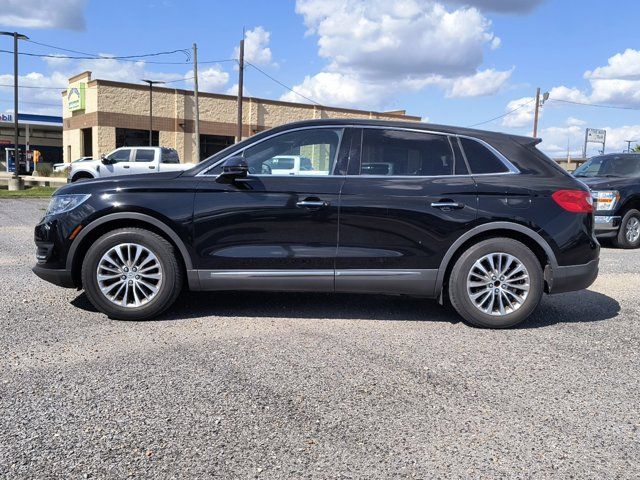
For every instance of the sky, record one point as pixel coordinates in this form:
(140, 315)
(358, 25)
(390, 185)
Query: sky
(456, 62)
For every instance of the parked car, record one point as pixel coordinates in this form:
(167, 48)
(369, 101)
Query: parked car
(614, 180)
(480, 219)
(62, 167)
(129, 161)
(291, 165)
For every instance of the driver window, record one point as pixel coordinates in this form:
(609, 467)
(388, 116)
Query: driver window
(302, 152)
(120, 156)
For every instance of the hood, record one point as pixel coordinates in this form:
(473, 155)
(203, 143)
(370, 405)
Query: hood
(86, 186)
(607, 183)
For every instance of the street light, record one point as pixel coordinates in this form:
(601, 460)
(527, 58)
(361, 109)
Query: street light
(16, 150)
(151, 84)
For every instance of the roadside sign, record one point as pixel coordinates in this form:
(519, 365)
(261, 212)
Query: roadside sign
(596, 135)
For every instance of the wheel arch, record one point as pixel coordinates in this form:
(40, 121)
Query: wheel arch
(83, 174)
(633, 202)
(113, 221)
(527, 236)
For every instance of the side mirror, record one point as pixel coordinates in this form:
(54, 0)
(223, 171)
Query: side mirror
(105, 160)
(233, 169)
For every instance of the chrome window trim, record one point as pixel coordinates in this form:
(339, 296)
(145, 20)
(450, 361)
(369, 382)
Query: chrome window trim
(512, 169)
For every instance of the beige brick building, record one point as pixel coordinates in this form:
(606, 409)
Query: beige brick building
(100, 115)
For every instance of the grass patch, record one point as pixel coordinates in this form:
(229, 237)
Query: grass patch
(28, 192)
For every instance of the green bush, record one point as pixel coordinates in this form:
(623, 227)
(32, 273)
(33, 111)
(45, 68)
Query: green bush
(44, 171)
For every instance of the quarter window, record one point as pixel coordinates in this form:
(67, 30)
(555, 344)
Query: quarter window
(302, 152)
(481, 159)
(144, 155)
(400, 153)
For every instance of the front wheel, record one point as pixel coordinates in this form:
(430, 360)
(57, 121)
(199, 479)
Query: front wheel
(496, 283)
(131, 274)
(629, 233)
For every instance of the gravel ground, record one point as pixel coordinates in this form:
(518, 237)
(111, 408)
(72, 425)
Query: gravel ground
(313, 386)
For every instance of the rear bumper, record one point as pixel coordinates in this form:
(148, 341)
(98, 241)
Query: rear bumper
(61, 278)
(573, 277)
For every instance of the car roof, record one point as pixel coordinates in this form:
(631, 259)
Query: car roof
(431, 127)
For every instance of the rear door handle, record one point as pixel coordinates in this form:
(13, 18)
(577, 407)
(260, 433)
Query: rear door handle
(151, 167)
(447, 204)
(125, 166)
(312, 204)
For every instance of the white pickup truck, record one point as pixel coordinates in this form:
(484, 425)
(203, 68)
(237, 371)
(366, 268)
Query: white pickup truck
(128, 161)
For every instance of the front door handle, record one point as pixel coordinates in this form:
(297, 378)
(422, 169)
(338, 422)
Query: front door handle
(125, 166)
(312, 204)
(151, 167)
(447, 204)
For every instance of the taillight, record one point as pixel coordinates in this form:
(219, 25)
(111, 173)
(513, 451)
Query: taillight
(577, 201)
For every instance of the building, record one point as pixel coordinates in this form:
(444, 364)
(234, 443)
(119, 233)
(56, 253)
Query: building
(101, 115)
(35, 132)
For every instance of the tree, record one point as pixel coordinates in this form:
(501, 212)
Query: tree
(636, 149)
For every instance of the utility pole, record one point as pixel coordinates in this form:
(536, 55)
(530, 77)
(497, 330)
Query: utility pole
(536, 114)
(197, 104)
(15, 184)
(240, 87)
(151, 84)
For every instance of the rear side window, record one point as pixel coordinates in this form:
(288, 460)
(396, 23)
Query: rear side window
(145, 155)
(403, 153)
(169, 156)
(480, 158)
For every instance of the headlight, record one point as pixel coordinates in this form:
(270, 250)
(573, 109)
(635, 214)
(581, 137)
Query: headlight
(65, 203)
(605, 200)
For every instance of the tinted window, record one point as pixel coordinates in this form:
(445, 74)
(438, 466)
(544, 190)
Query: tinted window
(277, 155)
(610, 166)
(480, 158)
(398, 152)
(145, 155)
(169, 156)
(120, 155)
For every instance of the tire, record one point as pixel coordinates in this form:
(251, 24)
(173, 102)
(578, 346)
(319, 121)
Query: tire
(489, 314)
(629, 232)
(155, 278)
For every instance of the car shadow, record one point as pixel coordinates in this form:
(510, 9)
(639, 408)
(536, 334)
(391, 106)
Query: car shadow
(576, 307)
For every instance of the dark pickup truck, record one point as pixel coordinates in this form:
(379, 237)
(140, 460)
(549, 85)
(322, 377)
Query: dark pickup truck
(614, 180)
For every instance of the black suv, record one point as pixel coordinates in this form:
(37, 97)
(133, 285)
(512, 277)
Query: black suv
(614, 180)
(480, 219)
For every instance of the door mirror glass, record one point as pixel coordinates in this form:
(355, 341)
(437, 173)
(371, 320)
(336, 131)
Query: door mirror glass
(105, 160)
(233, 169)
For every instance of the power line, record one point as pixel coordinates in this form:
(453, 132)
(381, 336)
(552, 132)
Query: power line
(594, 104)
(32, 103)
(126, 58)
(282, 84)
(33, 86)
(503, 115)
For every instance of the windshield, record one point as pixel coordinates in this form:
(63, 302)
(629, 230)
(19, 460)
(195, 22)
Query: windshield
(610, 166)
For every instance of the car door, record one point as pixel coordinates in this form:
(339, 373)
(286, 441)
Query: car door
(144, 161)
(272, 231)
(120, 163)
(403, 204)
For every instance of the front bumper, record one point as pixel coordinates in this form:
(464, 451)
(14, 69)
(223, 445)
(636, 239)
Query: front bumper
(606, 225)
(573, 277)
(60, 277)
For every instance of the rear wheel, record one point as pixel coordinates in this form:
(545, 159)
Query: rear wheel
(496, 283)
(132, 274)
(81, 176)
(629, 233)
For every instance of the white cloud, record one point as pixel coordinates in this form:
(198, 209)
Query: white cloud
(485, 82)
(66, 14)
(377, 48)
(211, 79)
(556, 140)
(256, 47)
(523, 110)
(575, 122)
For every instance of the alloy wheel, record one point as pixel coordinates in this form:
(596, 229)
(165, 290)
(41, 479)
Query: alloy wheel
(129, 275)
(632, 230)
(498, 284)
